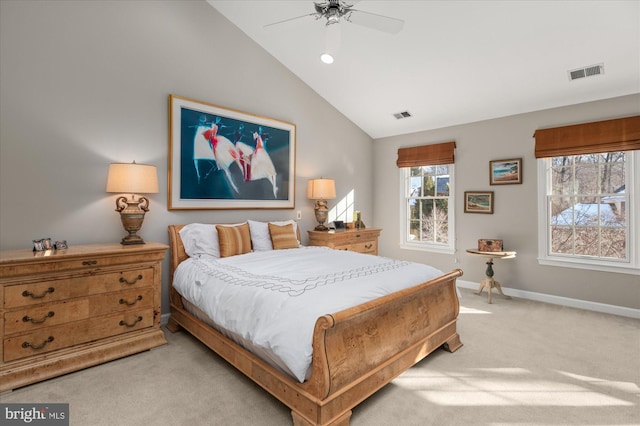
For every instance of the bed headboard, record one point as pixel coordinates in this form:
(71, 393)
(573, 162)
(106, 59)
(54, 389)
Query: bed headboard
(177, 253)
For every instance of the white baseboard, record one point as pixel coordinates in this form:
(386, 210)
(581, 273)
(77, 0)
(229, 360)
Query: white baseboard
(559, 300)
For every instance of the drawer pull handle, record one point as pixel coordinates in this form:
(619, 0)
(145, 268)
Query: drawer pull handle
(368, 246)
(137, 320)
(126, 281)
(124, 302)
(27, 318)
(38, 296)
(32, 346)
(89, 262)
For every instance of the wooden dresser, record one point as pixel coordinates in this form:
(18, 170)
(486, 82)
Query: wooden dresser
(360, 240)
(65, 310)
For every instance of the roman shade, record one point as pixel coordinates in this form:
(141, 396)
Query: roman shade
(622, 134)
(427, 155)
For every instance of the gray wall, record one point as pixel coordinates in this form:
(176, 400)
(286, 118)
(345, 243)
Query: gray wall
(83, 84)
(86, 83)
(515, 210)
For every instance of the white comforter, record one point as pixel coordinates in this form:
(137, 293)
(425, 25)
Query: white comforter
(269, 301)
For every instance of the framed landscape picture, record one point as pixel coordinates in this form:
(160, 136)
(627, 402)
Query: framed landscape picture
(478, 202)
(220, 158)
(505, 172)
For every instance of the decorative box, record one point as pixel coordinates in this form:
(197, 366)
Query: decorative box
(490, 245)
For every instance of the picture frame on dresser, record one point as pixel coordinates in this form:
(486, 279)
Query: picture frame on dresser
(47, 243)
(38, 245)
(61, 245)
(221, 158)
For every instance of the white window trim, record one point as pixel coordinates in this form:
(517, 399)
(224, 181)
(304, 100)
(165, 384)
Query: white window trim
(449, 248)
(623, 267)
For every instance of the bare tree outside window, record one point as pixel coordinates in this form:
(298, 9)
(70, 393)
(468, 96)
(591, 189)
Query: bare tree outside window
(587, 204)
(428, 204)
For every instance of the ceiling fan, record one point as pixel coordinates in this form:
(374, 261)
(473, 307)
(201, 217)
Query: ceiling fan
(335, 11)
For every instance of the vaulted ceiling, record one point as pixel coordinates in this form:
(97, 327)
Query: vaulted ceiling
(452, 62)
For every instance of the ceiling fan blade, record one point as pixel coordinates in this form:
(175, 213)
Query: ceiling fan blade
(291, 19)
(383, 23)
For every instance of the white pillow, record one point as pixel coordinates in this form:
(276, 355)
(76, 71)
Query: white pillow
(260, 237)
(201, 238)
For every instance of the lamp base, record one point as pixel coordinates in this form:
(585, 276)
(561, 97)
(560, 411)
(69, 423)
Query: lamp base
(132, 239)
(132, 215)
(321, 211)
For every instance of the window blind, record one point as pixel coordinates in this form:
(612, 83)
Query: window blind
(427, 155)
(622, 134)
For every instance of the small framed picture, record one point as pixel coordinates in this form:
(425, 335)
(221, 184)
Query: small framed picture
(47, 244)
(61, 245)
(38, 245)
(478, 202)
(505, 172)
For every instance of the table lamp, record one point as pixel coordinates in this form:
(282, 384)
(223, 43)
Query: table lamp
(132, 178)
(321, 190)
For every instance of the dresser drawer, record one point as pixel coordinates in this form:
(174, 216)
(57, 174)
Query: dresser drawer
(37, 317)
(75, 286)
(63, 336)
(366, 247)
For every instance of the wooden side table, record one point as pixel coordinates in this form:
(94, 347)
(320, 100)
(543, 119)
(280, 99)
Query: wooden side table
(488, 281)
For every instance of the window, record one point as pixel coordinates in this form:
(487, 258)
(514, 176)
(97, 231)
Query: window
(428, 207)
(588, 203)
(426, 197)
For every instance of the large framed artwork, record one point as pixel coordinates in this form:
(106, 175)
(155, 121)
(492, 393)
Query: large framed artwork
(220, 158)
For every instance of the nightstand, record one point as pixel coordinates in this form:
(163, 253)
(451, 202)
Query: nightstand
(64, 310)
(358, 240)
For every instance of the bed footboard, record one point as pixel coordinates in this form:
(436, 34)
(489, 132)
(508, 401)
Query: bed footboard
(359, 350)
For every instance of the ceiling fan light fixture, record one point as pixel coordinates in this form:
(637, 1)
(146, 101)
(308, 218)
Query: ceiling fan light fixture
(333, 16)
(326, 58)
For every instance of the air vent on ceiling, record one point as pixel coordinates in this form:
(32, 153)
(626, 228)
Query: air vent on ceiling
(403, 114)
(583, 72)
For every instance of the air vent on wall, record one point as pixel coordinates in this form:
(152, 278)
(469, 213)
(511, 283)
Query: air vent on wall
(583, 72)
(403, 114)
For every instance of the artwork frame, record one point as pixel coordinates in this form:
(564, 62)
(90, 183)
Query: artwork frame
(505, 172)
(478, 202)
(221, 158)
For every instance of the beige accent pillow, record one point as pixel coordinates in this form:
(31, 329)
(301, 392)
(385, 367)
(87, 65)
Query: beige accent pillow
(283, 237)
(234, 239)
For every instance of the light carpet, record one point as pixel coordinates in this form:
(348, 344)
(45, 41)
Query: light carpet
(522, 363)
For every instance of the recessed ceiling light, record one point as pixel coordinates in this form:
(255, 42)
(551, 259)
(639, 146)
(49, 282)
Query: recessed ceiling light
(326, 58)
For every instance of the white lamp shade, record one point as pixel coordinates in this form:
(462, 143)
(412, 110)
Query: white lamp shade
(132, 178)
(321, 189)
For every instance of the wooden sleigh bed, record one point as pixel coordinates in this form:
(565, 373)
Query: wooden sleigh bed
(355, 352)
